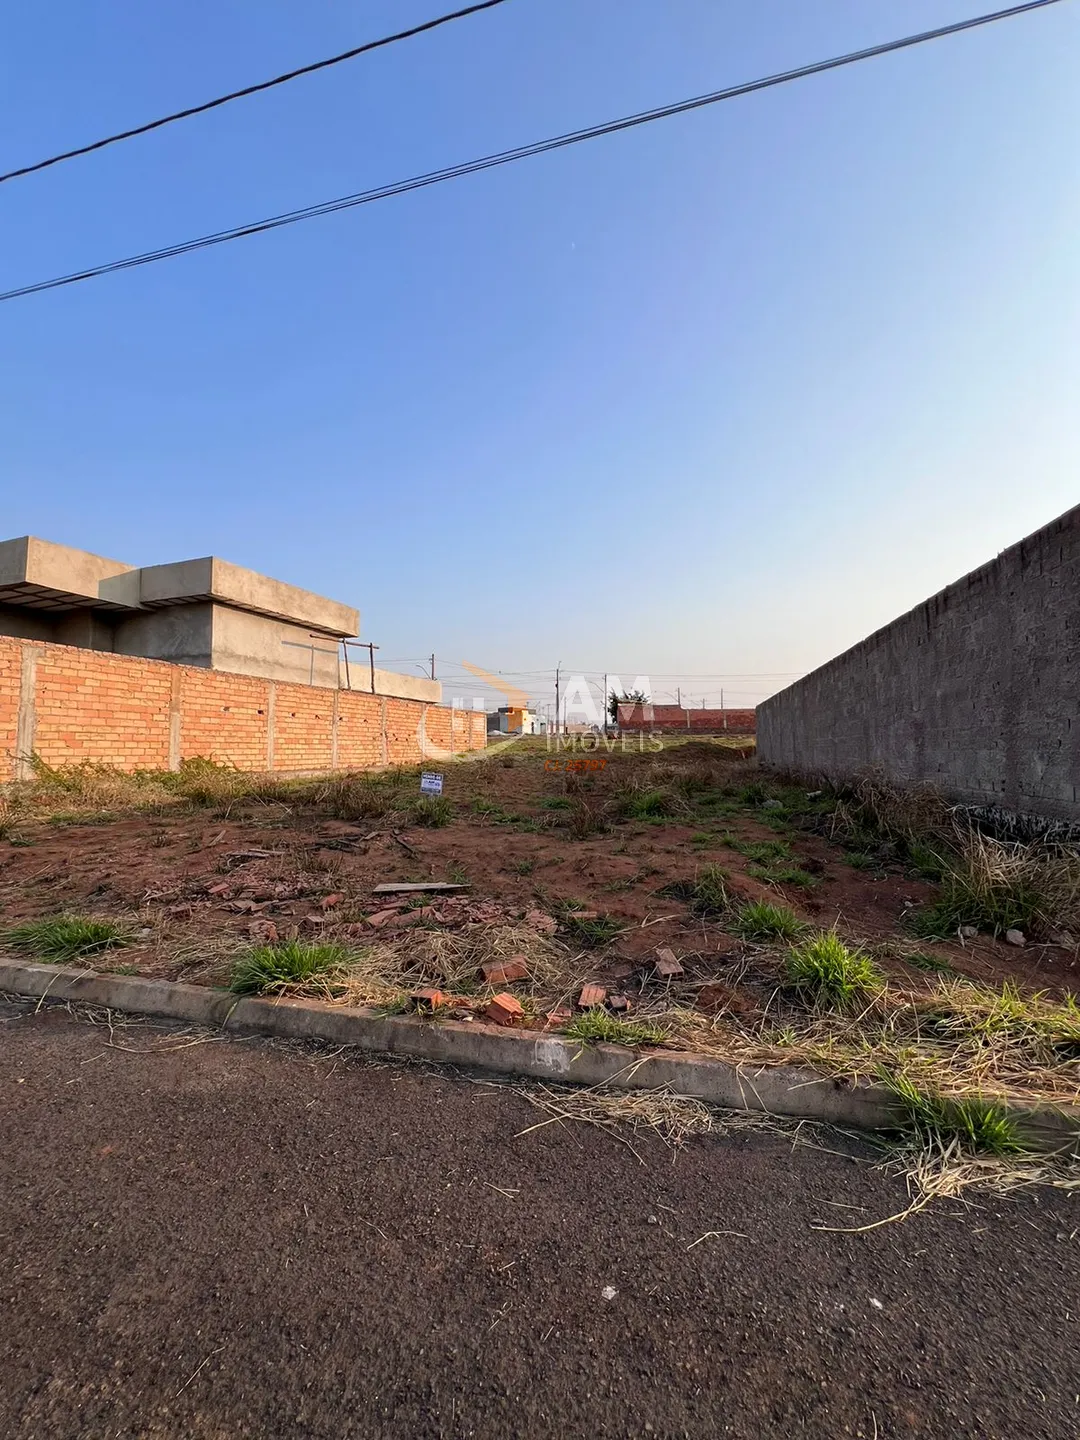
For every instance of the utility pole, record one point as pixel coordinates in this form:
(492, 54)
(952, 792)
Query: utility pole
(678, 693)
(606, 704)
(433, 666)
(558, 722)
(370, 648)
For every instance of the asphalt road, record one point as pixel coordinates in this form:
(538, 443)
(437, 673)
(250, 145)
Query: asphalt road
(236, 1239)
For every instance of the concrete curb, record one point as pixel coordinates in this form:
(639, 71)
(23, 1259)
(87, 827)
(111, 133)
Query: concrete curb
(776, 1089)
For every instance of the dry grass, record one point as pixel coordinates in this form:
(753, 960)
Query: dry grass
(90, 791)
(955, 1039)
(948, 1172)
(997, 885)
(452, 960)
(871, 808)
(674, 1118)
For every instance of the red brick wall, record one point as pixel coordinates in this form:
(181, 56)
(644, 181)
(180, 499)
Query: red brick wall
(359, 738)
(90, 705)
(10, 664)
(87, 703)
(224, 717)
(303, 727)
(675, 717)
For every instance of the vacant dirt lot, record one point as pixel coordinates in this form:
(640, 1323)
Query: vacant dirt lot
(230, 1240)
(584, 865)
(194, 874)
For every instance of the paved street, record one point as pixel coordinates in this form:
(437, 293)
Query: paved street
(235, 1239)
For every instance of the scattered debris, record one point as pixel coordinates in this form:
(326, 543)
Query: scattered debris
(621, 971)
(608, 1293)
(412, 887)
(591, 996)
(402, 920)
(558, 1017)
(382, 917)
(505, 1010)
(618, 1003)
(505, 972)
(221, 888)
(968, 932)
(541, 922)
(429, 999)
(329, 901)
(263, 932)
(1015, 937)
(667, 966)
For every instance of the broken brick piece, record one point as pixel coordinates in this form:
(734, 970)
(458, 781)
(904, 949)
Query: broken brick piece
(558, 1017)
(380, 918)
(221, 888)
(504, 972)
(505, 1010)
(618, 1002)
(591, 996)
(429, 999)
(400, 921)
(329, 901)
(667, 966)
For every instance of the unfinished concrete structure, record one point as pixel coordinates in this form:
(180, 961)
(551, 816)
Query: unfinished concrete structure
(976, 691)
(204, 612)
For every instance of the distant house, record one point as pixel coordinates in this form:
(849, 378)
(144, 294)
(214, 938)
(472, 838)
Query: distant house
(513, 720)
(671, 719)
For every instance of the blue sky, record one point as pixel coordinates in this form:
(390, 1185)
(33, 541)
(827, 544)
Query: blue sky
(714, 398)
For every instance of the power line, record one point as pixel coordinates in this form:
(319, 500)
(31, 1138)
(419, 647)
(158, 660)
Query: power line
(522, 152)
(250, 90)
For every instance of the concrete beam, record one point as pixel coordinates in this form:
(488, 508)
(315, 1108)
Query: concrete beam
(389, 682)
(209, 578)
(37, 571)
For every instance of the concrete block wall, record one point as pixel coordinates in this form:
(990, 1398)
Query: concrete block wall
(70, 705)
(976, 691)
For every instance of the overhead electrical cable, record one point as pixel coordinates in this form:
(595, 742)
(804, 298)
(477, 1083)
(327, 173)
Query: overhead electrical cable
(249, 90)
(521, 152)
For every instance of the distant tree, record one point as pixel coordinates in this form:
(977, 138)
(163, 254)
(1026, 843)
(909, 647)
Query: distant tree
(635, 697)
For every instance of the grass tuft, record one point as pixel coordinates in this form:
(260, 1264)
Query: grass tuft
(990, 885)
(762, 920)
(586, 819)
(65, 937)
(975, 1124)
(597, 1026)
(829, 974)
(762, 851)
(269, 969)
(591, 932)
(642, 801)
(432, 811)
